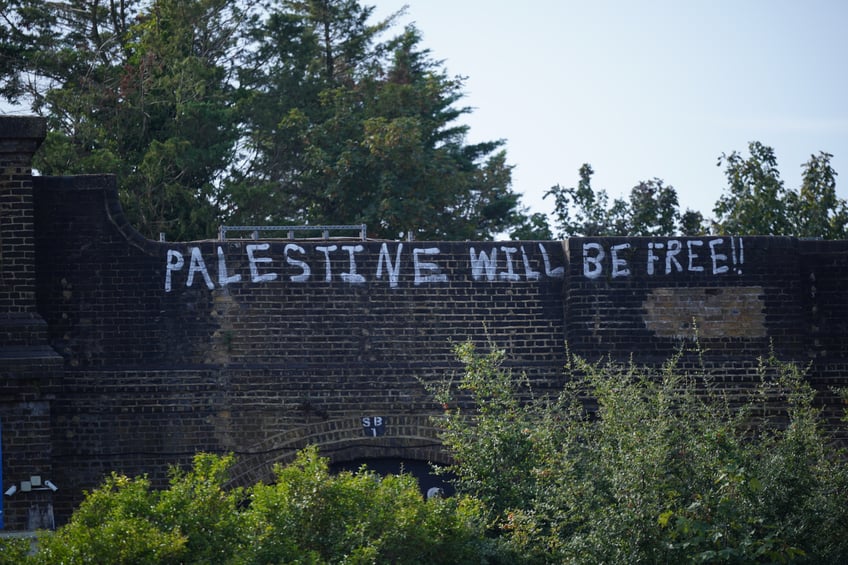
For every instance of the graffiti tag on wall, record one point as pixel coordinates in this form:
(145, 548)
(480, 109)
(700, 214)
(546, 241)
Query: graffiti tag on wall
(715, 256)
(293, 263)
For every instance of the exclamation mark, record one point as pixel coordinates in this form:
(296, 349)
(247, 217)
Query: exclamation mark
(733, 254)
(741, 256)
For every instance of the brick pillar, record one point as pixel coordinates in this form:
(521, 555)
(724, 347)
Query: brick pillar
(19, 139)
(30, 370)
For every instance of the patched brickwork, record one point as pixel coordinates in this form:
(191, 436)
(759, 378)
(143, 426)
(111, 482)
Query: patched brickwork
(138, 354)
(706, 313)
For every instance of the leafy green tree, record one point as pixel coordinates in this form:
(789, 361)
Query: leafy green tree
(137, 88)
(756, 202)
(291, 112)
(346, 128)
(306, 516)
(630, 464)
(693, 223)
(816, 210)
(652, 209)
(533, 227)
(580, 210)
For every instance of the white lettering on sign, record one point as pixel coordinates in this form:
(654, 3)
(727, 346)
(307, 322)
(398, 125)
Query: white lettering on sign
(327, 265)
(619, 266)
(434, 275)
(173, 262)
(528, 270)
(593, 256)
(386, 259)
(223, 278)
(305, 270)
(716, 256)
(197, 265)
(254, 263)
(262, 263)
(351, 276)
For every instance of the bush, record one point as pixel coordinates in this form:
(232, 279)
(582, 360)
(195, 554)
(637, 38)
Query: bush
(651, 466)
(306, 516)
(310, 516)
(195, 520)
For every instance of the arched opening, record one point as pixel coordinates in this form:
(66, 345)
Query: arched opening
(421, 470)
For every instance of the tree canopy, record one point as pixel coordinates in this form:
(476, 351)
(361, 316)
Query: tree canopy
(213, 111)
(312, 112)
(755, 201)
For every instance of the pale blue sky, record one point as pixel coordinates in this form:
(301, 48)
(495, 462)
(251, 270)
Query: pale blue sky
(645, 89)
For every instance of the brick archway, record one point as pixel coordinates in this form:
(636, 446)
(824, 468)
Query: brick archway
(407, 437)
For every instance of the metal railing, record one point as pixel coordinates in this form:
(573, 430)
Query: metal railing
(290, 230)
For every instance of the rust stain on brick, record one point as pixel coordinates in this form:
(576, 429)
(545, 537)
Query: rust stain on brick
(713, 312)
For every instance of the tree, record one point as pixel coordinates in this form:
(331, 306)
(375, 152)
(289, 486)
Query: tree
(634, 464)
(533, 227)
(135, 88)
(652, 209)
(580, 210)
(693, 223)
(754, 202)
(816, 211)
(367, 134)
(213, 111)
(310, 516)
(195, 520)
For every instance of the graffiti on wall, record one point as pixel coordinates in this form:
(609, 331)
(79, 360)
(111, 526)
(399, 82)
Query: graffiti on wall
(511, 262)
(714, 256)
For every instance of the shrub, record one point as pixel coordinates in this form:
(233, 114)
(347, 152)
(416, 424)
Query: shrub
(306, 516)
(310, 516)
(631, 464)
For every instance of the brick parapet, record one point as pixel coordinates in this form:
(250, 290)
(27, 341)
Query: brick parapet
(261, 347)
(30, 371)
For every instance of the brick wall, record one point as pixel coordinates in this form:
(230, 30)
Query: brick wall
(30, 370)
(263, 347)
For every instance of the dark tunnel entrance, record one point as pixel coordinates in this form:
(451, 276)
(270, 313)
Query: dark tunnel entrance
(421, 470)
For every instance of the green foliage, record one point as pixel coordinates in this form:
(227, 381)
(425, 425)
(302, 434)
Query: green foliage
(139, 89)
(367, 134)
(125, 521)
(652, 209)
(756, 202)
(753, 203)
(310, 516)
(633, 465)
(213, 111)
(306, 516)
(816, 211)
(14, 551)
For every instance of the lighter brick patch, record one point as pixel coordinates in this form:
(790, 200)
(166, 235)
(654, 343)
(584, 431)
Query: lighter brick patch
(712, 312)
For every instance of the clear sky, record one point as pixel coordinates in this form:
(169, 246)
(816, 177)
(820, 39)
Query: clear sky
(644, 89)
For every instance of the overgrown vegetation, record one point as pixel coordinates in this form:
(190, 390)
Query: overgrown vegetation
(666, 468)
(627, 464)
(306, 516)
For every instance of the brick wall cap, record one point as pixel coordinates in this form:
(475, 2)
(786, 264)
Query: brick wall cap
(23, 127)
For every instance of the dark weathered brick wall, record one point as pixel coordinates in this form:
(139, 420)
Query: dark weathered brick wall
(263, 347)
(29, 369)
(171, 348)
